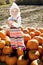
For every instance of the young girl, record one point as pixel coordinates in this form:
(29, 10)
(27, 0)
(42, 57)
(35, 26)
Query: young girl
(15, 19)
(15, 22)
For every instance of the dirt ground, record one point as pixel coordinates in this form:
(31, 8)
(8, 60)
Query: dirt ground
(32, 16)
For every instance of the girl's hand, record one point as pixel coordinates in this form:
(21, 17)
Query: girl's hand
(9, 23)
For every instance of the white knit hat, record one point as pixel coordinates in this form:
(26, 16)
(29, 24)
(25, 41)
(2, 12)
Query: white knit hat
(14, 5)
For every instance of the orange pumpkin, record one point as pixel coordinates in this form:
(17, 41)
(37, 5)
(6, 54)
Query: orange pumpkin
(40, 49)
(2, 34)
(32, 44)
(26, 37)
(30, 29)
(32, 34)
(3, 57)
(7, 40)
(25, 31)
(37, 32)
(20, 51)
(40, 29)
(11, 60)
(33, 54)
(2, 44)
(36, 62)
(7, 50)
(39, 38)
(22, 61)
(41, 34)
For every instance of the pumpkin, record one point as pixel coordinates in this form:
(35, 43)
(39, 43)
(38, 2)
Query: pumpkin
(20, 51)
(26, 37)
(22, 61)
(32, 44)
(30, 29)
(33, 54)
(25, 31)
(7, 50)
(7, 40)
(40, 49)
(2, 34)
(11, 60)
(37, 32)
(40, 29)
(41, 34)
(39, 38)
(32, 34)
(36, 62)
(2, 44)
(3, 57)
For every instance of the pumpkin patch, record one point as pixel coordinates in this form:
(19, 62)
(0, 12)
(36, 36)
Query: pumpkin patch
(32, 55)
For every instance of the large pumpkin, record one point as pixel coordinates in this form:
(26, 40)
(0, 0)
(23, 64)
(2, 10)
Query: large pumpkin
(36, 62)
(7, 50)
(33, 54)
(20, 51)
(2, 44)
(26, 37)
(39, 38)
(22, 61)
(32, 44)
(11, 60)
(2, 34)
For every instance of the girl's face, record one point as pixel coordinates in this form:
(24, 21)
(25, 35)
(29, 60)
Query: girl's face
(14, 12)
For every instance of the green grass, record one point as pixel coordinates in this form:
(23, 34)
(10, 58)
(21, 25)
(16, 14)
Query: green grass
(5, 6)
(1, 19)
